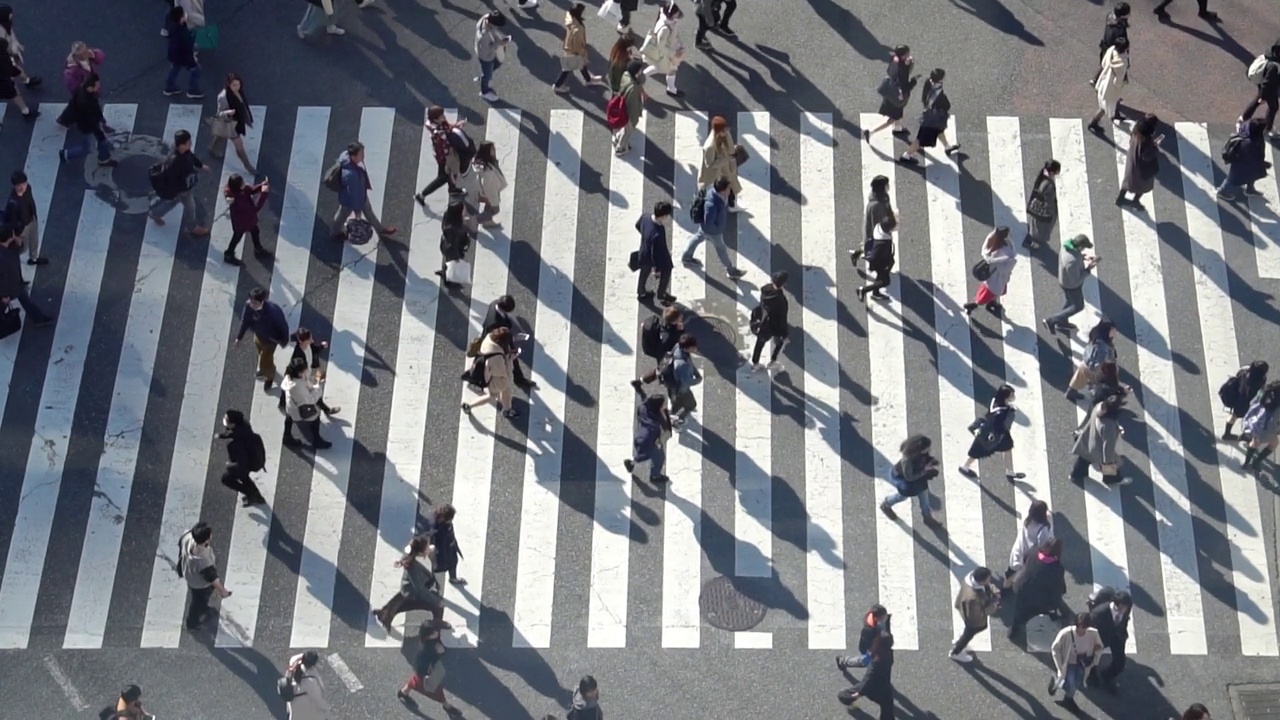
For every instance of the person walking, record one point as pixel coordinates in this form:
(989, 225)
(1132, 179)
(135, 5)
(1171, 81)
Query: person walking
(1267, 80)
(1142, 163)
(999, 258)
(233, 119)
(1034, 531)
(129, 706)
(1104, 382)
(245, 454)
(319, 14)
(418, 588)
(705, 12)
(485, 184)
(679, 376)
(1246, 158)
(910, 478)
(455, 237)
(573, 52)
(993, 433)
(895, 92)
(720, 160)
(494, 362)
(491, 50)
(182, 55)
(875, 623)
(1113, 75)
(81, 61)
(1098, 444)
(1076, 651)
(178, 177)
(308, 701)
(1262, 426)
(1042, 206)
(270, 332)
(428, 671)
(1238, 392)
(653, 427)
(353, 194)
(1116, 27)
(659, 335)
(773, 325)
(655, 254)
(20, 214)
(9, 88)
(1197, 711)
(442, 142)
(12, 286)
(1039, 586)
(198, 565)
(1204, 12)
(244, 202)
(308, 350)
(978, 598)
(633, 95)
(622, 54)
(1074, 265)
(84, 113)
(500, 315)
(1112, 622)
(933, 122)
(715, 215)
(877, 682)
(585, 704)
(445, 542)
(881, 258)
(1100, 348)
(303, 393)
(663, 49)
(879, 207)
(16, 51)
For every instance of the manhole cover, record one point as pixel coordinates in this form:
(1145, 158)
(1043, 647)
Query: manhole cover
(717, 338)
(725, 607)
(127, 187)
(1255, 702)
(1041, 632)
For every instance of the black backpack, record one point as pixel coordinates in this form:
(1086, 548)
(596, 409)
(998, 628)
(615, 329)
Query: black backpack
(182, 556)
(161, 183)
(667, 371)
(1231, 149)
(257, 453)
(757, 319)
(651, 337)
(698, 210)
(476, 374)
(1229, 393)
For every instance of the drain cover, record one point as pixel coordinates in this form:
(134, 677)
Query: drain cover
(717, 338)
(725, 607)
(1255, 702)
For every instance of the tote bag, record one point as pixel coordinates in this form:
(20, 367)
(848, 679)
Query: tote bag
(458, 271)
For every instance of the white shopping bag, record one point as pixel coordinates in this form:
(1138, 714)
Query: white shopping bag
(611, 10)
(458, 271)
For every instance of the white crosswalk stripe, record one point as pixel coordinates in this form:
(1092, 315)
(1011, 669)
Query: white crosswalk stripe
(561, 545)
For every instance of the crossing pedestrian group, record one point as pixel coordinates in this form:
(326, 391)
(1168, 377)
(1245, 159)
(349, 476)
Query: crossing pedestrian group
(1033, 580)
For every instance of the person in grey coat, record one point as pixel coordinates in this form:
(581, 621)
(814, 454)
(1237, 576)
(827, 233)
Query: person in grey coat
(1075, 262)
(308, 702)
(1142, 163)
(1042, 206)
(1099, 444)
(1249, 162)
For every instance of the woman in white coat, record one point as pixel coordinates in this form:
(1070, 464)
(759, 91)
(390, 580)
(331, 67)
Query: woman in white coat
(1076, 652)
(663, 49)
(1112, 79)
(302, 393)
(1000, 258)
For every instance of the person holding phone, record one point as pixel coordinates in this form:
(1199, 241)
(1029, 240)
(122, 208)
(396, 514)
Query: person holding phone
(1075, 262)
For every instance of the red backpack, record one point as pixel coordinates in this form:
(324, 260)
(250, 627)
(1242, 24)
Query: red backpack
(615, 112)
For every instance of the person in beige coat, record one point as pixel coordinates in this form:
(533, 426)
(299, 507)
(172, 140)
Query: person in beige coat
(663, 50)
(485, 183)
(978, 598)
(497, 355)
(1076, 652)
(302, 393)
(1111, 81)
(719, 160)
(573, 53)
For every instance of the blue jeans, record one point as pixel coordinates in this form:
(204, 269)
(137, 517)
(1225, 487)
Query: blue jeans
(486, 74)
(193, 80)
(81, 148)
(924, 500)
(716, 241)
(1072, 680)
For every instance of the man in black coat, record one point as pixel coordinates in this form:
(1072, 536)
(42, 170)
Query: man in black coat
(499, 315)
(240, 461)
(1112, 623)
(1117, 27)
(655, 255)
(12, 286)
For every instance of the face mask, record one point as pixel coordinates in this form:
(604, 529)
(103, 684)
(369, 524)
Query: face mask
(226, 423)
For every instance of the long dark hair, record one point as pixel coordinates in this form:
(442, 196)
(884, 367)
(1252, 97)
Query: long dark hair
(915, 445)
(1050, 166)
(417, 546)
(487, 153)
(620, 53)
(235, 184)
(1109, 374)
(1258, 370)
(1102, 331)
(232, 77)
(1037, 513)
(1003, 393)
(1146, 126)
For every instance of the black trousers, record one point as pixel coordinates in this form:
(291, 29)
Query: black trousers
(564, 75)
(255, 235)
(1080, 471)
(1272, 105)
(642, 282)
(441, 179)
(880, 282)
(966, 636)
(763, 338)
(310, 427)
(703, 27)
(729, 7)
(1118, 661)
(240, 481)
(198, 608)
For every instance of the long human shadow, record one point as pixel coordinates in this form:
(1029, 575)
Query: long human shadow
(1219, 38)
(999, 17)
(854, 32)
(1017, 699)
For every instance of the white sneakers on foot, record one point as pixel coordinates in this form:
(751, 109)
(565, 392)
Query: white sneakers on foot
(335, 30)
(490, 96)
(963, 656)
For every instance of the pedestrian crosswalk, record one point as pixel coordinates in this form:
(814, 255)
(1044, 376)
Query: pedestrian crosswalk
(109, 415)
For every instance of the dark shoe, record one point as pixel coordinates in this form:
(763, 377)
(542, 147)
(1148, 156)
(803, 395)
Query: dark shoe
(667, 299)
(862, 295)
(1072, 396)
(735, 274)
(261, 252)
(644, 296)
(231, 259)
(108, 163)
(62, 156)
(888, 512)
(638, 387)
(291, 442)
(866, 136)
(724, 30)
(322, 445)
(902, 133)
(1049, 326)
(38, 261)
(908, 160)
(251, 501)
(35, 81)
(676, 93)
(630, 465)
(403, 697)
(31, 115)
(420, 198)
(171, 93)
(1070, 704)
(687, 260)
(969, 307)
(704, 45)
(880, 296)
(1207, 16)
(526, 385)
(659, 480)
(1069, 327)
(385, 622)
(1015, 476)
(1230, 436)
(45, 321)
(1096, 129)
(932, 522)
(266, 384)
(968, 472)
(995, 309)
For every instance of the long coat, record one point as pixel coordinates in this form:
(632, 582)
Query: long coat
(1250, 164)
(662, 48)
(1115, 73)
(1141, 165)
(1039, 227)
(1099, 441)
(718, 162)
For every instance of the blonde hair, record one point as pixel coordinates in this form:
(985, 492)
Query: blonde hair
(76, 47)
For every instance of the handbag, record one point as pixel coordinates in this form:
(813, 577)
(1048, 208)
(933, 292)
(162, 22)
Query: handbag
(10, 320)
(223, 127)
(308, 411)
(457, 271)
(206, 38)
(982, 270)
(1038, 207)
(740, 154)
(359, 231)
(610, 10)
(633, 260)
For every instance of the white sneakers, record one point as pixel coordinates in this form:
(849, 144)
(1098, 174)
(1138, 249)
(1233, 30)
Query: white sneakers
(522, 4)
(963, 656)
(490, 96)
(335, 30)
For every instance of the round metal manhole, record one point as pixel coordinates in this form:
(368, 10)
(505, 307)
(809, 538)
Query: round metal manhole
(127, 187)
(725, 607)
(717, 338)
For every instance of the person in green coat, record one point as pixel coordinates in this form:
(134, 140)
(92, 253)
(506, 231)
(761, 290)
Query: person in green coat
(632, 91)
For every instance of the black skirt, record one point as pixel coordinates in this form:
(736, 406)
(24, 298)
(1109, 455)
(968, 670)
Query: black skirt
(982, 448)
(891, 111)
(8, 90)
(927, 137)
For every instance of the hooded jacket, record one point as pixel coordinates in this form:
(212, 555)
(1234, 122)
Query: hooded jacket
(1116, 28)
(775, 305)
(975, 602)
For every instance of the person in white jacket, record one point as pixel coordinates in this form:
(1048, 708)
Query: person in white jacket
(1076, 652)
(1035, 531)
(663, 49)
(308, 702)
(302, 397)
(1000, 258)
(195, 12)
(1111, 81)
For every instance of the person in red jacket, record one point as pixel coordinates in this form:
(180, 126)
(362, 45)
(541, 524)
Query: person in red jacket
(244, 202)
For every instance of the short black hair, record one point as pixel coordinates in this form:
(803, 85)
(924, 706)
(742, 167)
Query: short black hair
(1122, 9)
(259, 294)
(587, 684)
(201, 532)
(981, 574)
(310, 658)
(1122, 597)
(779, 278)
(688, 341)
(355, 148)
(506, 303)
(182, 137)
(18, 177)
(234, 416)
(131, 694)
(662, 208)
